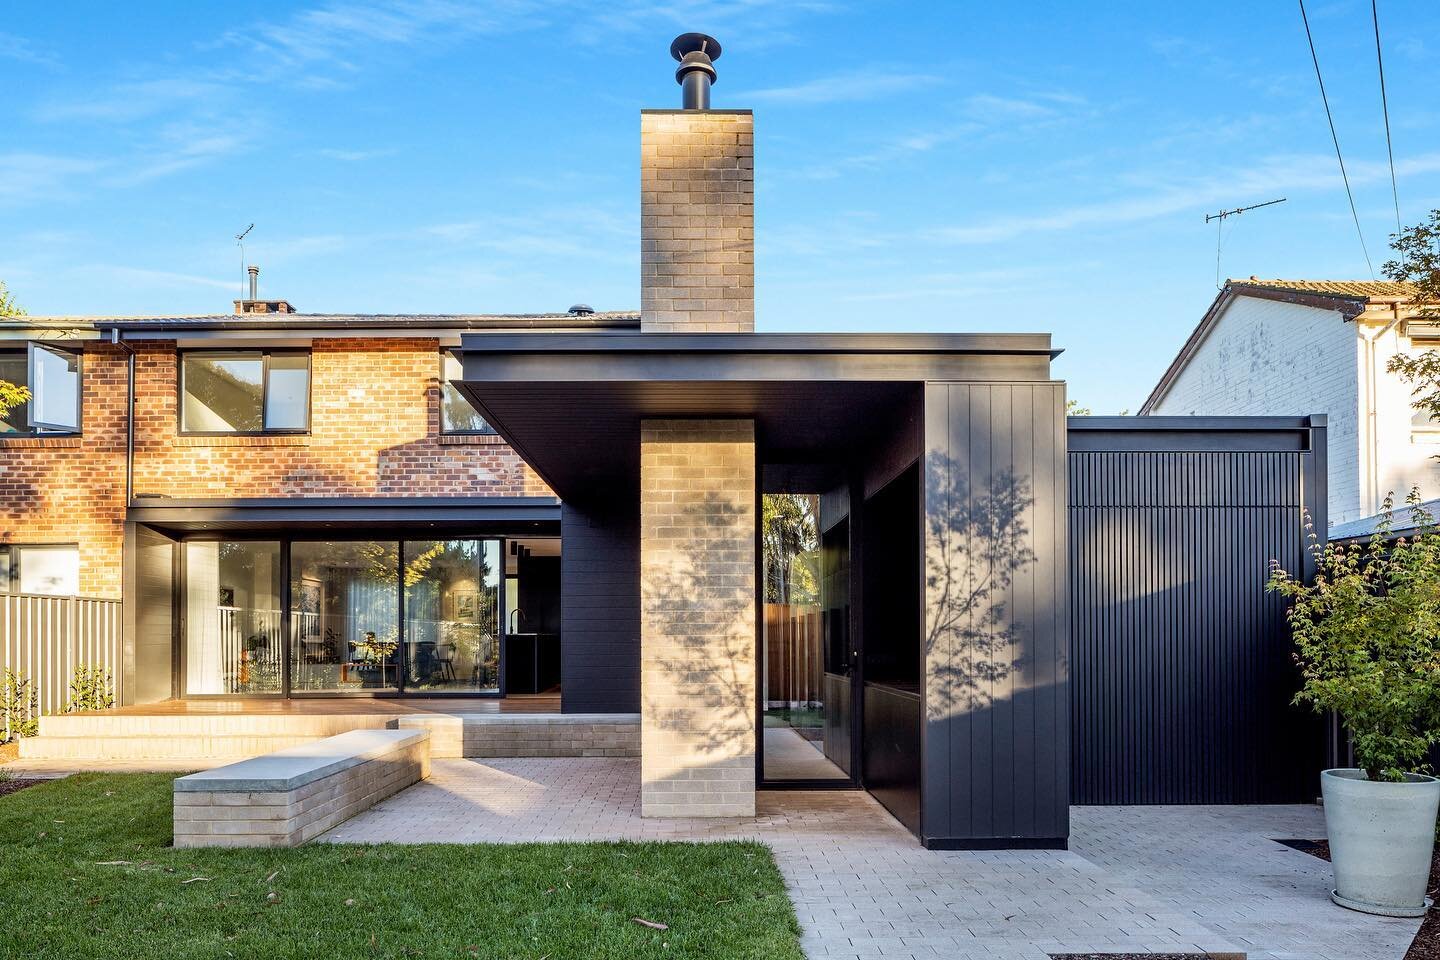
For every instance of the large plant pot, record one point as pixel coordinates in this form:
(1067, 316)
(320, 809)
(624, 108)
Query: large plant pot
(1381, 838)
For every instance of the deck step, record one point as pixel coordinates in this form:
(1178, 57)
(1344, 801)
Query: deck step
(101, 737)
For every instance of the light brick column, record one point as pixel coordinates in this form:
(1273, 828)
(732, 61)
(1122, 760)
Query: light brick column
(697, 221)
(697, 629)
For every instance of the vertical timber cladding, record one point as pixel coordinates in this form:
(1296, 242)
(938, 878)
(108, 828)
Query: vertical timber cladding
(1181, 660)
(996, 627)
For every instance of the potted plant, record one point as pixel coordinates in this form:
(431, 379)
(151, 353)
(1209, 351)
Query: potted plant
(1367, 641)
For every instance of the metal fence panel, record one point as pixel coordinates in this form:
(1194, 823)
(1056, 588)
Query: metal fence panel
(45, 638)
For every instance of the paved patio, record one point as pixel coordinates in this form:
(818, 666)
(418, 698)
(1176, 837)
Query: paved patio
(1140, 879)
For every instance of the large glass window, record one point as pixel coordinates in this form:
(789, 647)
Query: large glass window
(457, 415)
(344, 616)
(806, 677)
(232, 618)
(52, 375)
(244, 391)
(452, 615)
(50, 569)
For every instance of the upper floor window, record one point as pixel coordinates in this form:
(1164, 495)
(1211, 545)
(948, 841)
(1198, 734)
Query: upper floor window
(457, 415)
(244, 391)
(52, 375)
(48, 569)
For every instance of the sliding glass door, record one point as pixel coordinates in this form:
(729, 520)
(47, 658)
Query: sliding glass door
(344, 616)
(452, 615)
(363, 616)
(231, 617)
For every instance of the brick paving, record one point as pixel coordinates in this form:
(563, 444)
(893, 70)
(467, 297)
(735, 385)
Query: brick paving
(1221, 865)
(1157, 879)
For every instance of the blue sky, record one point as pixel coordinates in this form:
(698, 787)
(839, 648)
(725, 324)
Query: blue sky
(930, 166)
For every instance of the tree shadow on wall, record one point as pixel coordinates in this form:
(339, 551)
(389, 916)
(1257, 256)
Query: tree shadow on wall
(978, 541)
(706, 621)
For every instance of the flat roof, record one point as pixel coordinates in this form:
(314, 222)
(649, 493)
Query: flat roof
(571, 404)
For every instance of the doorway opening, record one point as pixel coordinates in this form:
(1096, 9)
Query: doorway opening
(807, 655)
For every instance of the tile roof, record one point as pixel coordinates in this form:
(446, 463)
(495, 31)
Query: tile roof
(351, 321)
(1349, 289)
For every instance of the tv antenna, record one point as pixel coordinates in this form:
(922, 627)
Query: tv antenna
(1219, 219)
(240, 242)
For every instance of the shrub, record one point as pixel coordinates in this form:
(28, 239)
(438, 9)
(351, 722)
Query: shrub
(1367, 640)
(90, 689)
(19, 706)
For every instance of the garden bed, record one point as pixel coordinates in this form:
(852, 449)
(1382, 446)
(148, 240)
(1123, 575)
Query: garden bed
(15, 784)
(94, 874)
(1426, 945)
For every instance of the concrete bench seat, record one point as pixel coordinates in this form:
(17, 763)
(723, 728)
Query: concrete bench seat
(288, 797)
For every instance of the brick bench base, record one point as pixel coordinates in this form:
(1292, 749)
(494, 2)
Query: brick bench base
(530, 735)
(288, 797)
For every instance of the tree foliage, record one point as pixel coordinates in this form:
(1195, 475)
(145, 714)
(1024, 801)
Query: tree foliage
(791, 547)
(12, 395)
(1367, 640)
(1417, 263)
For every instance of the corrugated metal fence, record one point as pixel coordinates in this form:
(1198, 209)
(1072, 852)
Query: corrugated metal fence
(46, 638)
(1181, 661)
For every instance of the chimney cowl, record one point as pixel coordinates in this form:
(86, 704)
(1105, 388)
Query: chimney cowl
(581, 310)
(697, 54)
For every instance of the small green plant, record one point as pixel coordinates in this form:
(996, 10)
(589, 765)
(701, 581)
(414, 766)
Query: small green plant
(90, 689)
(1367, 640)
(19, 706)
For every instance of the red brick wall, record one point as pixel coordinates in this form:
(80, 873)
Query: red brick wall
(72, 489)
(374, 431)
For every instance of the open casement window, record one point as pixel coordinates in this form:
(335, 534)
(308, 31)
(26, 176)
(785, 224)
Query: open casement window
(55, 388)
(457, 415)
(52, 374)
(244, 391)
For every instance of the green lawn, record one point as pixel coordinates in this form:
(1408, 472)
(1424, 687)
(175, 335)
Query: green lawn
(87, 870)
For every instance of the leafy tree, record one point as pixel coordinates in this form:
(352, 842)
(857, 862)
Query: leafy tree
(1417, 263)
(11, 395)
(1073, 409)
(791, 548)
(1367, 640)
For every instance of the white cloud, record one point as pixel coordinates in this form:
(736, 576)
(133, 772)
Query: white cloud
(25, 51)
(871, 83)
(1280, 174)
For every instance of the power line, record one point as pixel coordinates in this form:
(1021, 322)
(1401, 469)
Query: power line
(1336, 140)
(1385, 108)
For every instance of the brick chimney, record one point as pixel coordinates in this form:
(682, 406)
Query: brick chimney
(254, 304)
(697, 206)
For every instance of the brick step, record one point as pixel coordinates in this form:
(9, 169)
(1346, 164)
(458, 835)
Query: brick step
(234, 737)
(208, 725)
(132, 747)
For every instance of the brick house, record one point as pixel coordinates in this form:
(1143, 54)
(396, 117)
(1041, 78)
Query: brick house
(1318, 346)
(756, 560)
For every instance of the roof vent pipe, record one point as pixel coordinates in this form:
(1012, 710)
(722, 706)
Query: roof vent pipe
(254, 272)
(581, 310)
(696, 53)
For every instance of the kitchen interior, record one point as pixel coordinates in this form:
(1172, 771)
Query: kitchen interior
(532, 616)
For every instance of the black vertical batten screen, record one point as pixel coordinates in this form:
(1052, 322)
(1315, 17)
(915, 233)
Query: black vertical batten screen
(600, 609)
(996, 629)
(1181, 663)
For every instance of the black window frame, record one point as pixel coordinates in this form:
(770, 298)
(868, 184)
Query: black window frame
(265, 355)
(489, 430)
(31, 430)
(10, 583)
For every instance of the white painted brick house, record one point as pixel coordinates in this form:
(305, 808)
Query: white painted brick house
(1298, 347)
